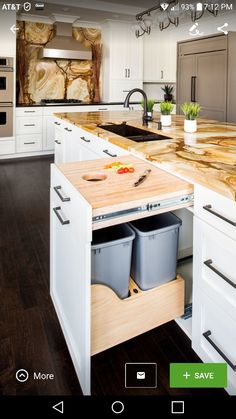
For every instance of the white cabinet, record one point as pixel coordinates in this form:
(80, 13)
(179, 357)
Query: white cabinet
(70, 287)
(214, 280)
(122, 61)
(29, 125)
(160, 57)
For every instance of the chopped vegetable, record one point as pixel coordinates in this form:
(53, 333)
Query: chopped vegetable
(120, 171)
(131, 169)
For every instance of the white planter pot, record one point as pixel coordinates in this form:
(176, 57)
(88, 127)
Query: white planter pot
(166, 120)
(190, 125)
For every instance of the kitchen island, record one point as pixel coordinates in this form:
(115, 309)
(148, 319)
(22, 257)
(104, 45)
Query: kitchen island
(205, 159)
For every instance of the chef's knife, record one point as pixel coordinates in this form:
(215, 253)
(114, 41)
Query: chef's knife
(142, 177)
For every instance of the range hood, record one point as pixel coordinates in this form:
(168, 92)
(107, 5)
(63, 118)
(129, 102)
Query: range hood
(64, 46)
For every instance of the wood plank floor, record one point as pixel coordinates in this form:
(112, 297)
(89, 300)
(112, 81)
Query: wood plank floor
(30, 335)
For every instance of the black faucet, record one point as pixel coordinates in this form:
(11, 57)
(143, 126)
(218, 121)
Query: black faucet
(145, 113)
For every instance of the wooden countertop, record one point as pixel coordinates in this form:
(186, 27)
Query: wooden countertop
(116, 192)
(207, 157)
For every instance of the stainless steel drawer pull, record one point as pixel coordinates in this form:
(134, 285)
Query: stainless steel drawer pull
(209, 264)
(85, 139)
(32, 142)
(62, 198)
(29, 125)
(103, 109)
(57, 142)
(57, 123)
(206, 336)
(29, 111)
(109, 154)
(63, 222)
(209, 209)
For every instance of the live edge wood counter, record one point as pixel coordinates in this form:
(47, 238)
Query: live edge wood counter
(117, 192)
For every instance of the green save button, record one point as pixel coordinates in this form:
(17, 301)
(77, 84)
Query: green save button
(198, 375)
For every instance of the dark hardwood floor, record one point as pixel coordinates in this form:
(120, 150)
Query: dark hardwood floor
(30, 335)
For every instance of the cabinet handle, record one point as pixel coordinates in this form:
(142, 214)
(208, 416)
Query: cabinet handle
(206, 336)
(209, 209)
(109, 154)
(63, 222)
(62, 198)
(128, 72)
(126, 91)
(57, 142)
(32, 142)
(209, 264)
(29, 111)
(85, 139)
(162, 74)
(29, 125)
(103, 109)
(57, 123)
(193, 89)
(67, 129)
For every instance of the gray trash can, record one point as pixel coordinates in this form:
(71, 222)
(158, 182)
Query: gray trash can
(155, 249)
(111, 258)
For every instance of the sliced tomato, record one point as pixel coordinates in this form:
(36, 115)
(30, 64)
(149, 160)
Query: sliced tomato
(120, 171)
(126, 170)
(131, 169)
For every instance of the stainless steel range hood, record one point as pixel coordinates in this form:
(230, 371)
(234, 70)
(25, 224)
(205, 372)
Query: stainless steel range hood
(64, 46)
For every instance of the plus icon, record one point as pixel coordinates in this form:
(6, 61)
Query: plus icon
(186, 375)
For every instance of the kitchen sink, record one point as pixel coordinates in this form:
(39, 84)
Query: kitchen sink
(133, 133)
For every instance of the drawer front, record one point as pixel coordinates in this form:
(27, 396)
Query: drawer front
(214, 335)
(28, 143)
(216, 210)
(29, 111)
(7, 147)
(29, 125)
(215, 264)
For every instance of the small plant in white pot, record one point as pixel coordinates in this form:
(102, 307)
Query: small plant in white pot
(191, 112)
(166, 108)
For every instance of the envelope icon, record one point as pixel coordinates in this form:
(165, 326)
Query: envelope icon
(140, 375)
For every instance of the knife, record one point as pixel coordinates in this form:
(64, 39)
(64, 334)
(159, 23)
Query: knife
(142, 177)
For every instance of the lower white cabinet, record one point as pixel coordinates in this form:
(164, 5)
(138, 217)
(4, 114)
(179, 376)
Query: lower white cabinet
(214, 334)
(28, 143)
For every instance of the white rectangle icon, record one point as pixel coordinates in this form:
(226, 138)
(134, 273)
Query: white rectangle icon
(140, 375)
(199, 7)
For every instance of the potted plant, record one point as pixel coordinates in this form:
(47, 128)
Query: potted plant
(167, 89)
(191, 112)
(166, 108)
(150, 105)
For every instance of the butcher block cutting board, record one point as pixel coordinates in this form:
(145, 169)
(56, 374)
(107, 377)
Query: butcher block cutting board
(116, 192)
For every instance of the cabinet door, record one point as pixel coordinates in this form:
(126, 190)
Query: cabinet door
(59, 146)
(48, 133)
(135, 56)
(211, 84)
(120, 89)
(186, 70)
(70, 285)
(119, 51)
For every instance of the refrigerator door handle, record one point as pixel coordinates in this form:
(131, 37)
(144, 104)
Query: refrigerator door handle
(193, 88)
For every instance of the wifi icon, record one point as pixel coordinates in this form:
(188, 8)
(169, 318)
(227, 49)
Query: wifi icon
(164, 6)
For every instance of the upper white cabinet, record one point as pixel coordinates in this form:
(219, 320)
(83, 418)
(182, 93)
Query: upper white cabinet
(122, 61)
(159, 57)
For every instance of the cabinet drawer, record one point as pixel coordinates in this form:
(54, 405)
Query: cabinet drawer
(29, 111)
(27, 143)
(7, 147)
(203, 45)
(216, 210)
(29, 125)
(115, 321)
(214, 335)
(215, 264)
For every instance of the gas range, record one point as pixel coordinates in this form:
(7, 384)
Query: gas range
(51, 102)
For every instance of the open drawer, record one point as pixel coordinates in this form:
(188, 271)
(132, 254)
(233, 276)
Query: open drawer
(115, 320)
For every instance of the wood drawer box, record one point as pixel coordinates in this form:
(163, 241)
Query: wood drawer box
(29, 125)
(216, 210)
(215, 264)
(115, 320)
(214, 335)
(28, 143)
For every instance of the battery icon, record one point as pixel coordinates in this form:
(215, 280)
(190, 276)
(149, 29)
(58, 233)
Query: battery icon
(199, 7)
